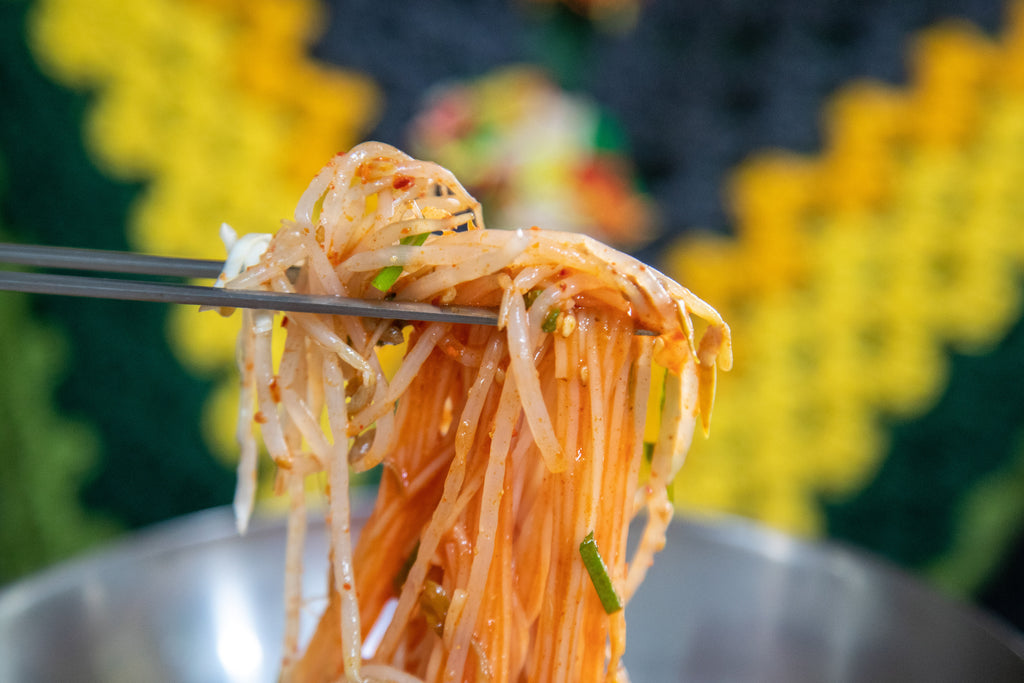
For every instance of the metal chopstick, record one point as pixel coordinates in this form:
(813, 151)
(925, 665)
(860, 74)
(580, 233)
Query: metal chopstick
(134, 290)
(73, 258)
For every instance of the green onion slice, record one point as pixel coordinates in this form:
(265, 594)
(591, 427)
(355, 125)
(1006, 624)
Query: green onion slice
(598, 571)
(531, 296)
(550, 323)
(387, 277)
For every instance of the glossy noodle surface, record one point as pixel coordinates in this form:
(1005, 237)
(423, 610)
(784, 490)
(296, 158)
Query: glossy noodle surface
(501, 448)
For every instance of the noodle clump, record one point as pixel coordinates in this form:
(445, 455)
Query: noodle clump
(502, 447)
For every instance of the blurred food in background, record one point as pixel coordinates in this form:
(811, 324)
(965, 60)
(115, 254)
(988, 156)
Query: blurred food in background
(844, 183)
(534, 154)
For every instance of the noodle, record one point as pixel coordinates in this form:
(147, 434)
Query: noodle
(502, 448)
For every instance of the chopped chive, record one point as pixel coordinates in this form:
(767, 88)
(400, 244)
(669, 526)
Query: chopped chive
(550, 323)
(415, 240)
(598, 571)
(387, 277)
(531, 296)
(648, 450)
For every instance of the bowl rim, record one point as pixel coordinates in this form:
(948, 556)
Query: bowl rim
(217, 525)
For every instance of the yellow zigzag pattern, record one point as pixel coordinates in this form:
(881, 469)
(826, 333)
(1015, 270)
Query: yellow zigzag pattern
(850, 274)
(853, 272)
(215, 104)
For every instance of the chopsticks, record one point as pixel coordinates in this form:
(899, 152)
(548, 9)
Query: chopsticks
(69, 258)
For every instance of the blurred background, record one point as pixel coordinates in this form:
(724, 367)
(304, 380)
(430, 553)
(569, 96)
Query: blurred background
(843, 181)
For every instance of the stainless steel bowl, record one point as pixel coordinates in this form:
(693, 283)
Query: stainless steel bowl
(726, 601)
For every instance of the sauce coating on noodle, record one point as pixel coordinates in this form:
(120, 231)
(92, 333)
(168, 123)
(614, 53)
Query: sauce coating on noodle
(503, 449)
